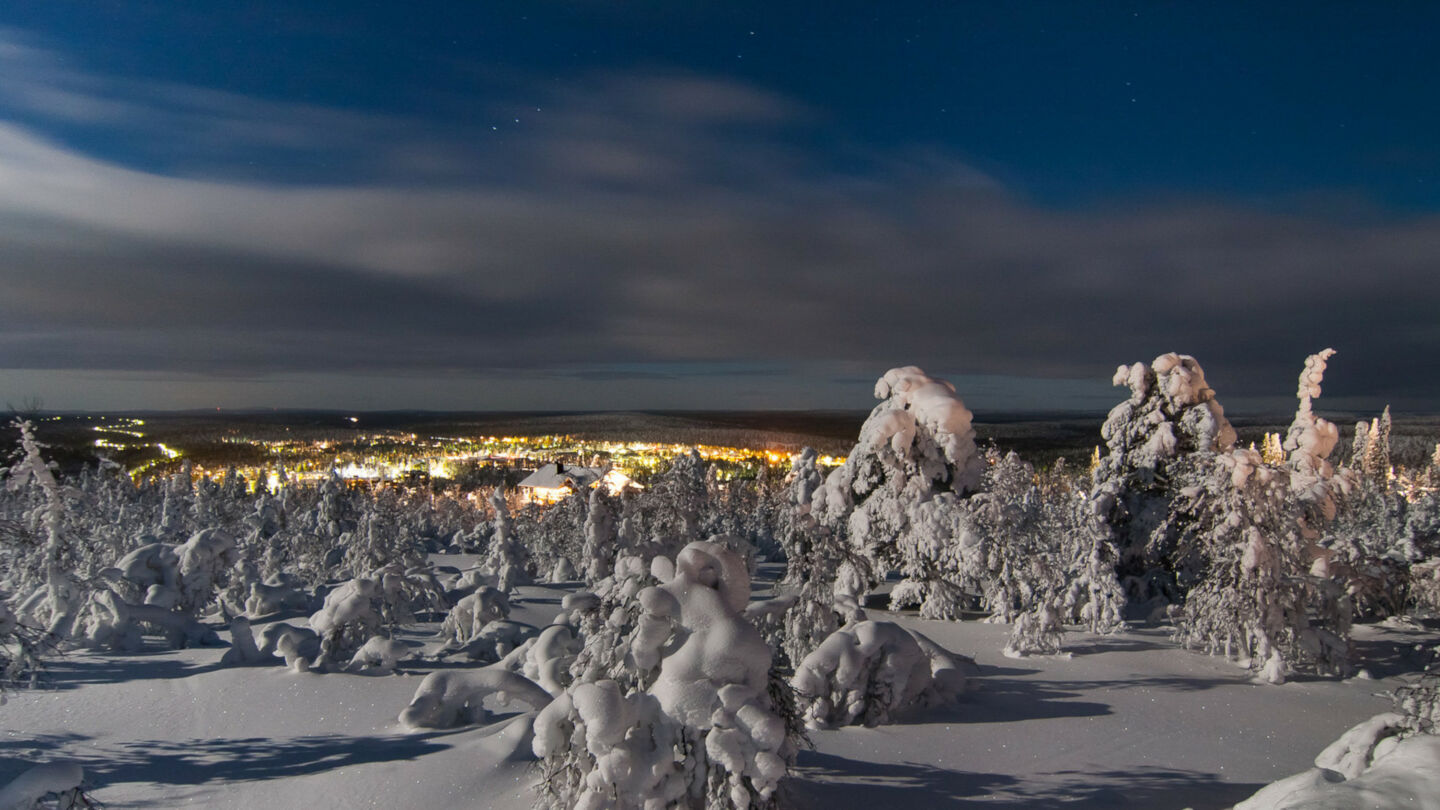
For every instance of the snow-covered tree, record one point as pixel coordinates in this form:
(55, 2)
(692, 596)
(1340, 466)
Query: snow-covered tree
(349, 617)
(554, 534)
(57, 596)
(608, 619)
(916, 446)
(601, 538)
(1266, 597)
(1370, 453)
(1157, 441)
(506, 556)
(1369, 549)
(822, 567)
(1033, 557)
(704, 734)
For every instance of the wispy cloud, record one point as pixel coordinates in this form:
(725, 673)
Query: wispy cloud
(634, 220)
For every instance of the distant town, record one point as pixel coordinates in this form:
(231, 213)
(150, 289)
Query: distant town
(272, 455)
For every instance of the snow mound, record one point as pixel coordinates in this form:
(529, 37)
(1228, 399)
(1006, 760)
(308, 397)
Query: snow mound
(450, 698)
(867, 672)
(60, 779)
(1368, 767)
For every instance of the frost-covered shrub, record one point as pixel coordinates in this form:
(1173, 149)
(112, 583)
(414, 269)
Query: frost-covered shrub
(477, 627)
(677, 503)
(498, 639)
(871, 671)
(797, 525)
(603, 748)
(470, 615)
(1252, 602)
(152, 565)
(243, 651)
(563, 571)
(552, 534)
(530, 670)
(274, 596)
(1027, 548)
(408, 591)
(939, 559)
(116, 624)
(299, 646)
(387, 533)
(546, 658)
(829, 574)
(1370, 551)
(1038, 631)
(378, 654)
(56, 595)
(349, 617)
(1422, 527)
(704, 733)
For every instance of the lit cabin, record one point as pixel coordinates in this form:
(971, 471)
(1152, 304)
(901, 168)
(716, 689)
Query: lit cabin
(555, 482)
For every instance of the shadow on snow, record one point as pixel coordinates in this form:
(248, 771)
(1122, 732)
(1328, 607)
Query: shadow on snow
(824, 780)
(199, 762)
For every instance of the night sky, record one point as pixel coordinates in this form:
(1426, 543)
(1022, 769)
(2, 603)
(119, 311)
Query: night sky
(602, 205)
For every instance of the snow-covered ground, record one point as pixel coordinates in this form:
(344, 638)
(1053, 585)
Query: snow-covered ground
(1127, 720)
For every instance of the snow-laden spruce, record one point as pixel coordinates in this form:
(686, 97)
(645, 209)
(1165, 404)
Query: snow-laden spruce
(56, 595)
(506, 557)
(704, 734)
(1165, 433)
(601, 538)
(1265, 596)
(814, 553)
(1028, 549)
(607, 619)
(916, 446)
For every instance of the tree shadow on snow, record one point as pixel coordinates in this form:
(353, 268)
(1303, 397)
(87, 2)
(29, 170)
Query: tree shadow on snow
(1098, 645)
(72, 672)
(198, 762)
(1008, 700)
(1393, 652)
(1160, 683)
(825, 781)
(1141, 787)
(19, 751)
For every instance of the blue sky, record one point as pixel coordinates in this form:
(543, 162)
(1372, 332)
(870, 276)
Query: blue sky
(586, 204)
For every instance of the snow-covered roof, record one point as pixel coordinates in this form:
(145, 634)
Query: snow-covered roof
(554, 476)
